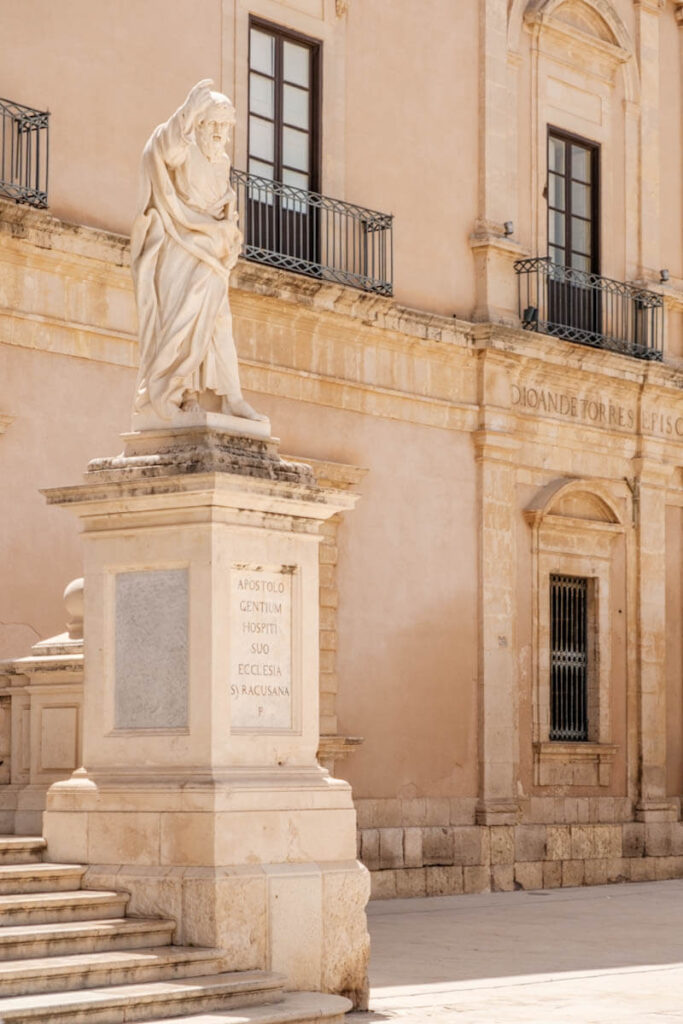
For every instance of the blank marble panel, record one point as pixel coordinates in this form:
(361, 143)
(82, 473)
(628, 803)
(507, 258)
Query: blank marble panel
(151, 649)
(59, 739)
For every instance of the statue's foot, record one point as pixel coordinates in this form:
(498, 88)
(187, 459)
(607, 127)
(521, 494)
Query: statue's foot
(190, 402)
(242, 409)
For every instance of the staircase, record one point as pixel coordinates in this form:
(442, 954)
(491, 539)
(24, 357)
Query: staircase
(71, 955)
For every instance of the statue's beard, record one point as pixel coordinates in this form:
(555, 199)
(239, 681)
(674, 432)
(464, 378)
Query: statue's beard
(212, 149)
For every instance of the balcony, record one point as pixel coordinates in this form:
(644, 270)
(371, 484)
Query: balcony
(589, 309)
(24, 154)
(311, 234)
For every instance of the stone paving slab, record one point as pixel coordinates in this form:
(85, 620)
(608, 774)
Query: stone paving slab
(561, 956)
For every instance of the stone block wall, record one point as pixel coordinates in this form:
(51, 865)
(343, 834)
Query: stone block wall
(438, 860)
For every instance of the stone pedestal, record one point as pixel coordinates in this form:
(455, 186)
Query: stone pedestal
(201, 794)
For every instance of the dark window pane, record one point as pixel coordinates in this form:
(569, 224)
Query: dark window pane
(580, 262)
(295, 149)
(557, 191)
(264, 170)
(556, 228)
(296, 63)
(261, 139)
(581, 163)
(261, 96)
(262, 55)
(295, 178)
(556, 155)
(295, 103)
(581, 200)
(581, 235)
(557, 255)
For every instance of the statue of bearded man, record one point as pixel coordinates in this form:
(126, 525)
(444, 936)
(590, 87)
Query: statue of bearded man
(185, 241)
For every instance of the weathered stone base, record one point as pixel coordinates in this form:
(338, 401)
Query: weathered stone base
(437, 861)
(257, 863)
(305, 921)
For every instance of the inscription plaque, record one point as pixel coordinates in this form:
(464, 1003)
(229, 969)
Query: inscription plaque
(261, 648)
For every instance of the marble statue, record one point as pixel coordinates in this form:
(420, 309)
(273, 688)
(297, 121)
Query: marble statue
(185, 241)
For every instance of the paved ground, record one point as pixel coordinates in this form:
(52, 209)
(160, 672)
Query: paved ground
(564, 956)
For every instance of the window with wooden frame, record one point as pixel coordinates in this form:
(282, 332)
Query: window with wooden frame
(574, 303)
(284, 106)
(573, 202)
(283, 144)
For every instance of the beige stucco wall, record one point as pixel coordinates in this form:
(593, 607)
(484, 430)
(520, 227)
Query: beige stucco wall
(41, 550)
(108, 76)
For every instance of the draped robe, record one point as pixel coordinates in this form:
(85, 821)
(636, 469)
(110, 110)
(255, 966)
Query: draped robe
(184, 243)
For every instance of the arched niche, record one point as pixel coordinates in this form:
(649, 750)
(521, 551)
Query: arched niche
(570, 498)
(576, 526)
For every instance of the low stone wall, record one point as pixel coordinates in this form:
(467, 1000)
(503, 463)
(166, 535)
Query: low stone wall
(437, 861)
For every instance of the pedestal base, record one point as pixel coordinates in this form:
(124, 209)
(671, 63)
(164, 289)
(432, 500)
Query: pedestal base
(202, 796)
(258, 863)
(236, 425)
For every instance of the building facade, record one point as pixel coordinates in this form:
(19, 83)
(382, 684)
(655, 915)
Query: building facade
(462, 298)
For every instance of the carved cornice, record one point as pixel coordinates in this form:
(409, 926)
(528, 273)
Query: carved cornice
(678, 11)
(341, 7)
(655, 6)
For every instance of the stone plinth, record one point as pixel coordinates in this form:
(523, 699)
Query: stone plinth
(201, 793)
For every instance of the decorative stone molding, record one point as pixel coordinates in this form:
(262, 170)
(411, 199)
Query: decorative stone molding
(575, 524)
(5, 422)
(543, 13)
(332, 747)
(341, 7)
(598, 52)
(573, 764)
(678, 11)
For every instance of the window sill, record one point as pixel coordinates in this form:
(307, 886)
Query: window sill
(573, 764)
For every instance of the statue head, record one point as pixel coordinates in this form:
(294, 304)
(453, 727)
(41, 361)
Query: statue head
(212, 129)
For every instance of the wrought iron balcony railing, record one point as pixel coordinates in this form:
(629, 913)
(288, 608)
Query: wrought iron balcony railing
(24, 153)
(590, 309)
(293, 229)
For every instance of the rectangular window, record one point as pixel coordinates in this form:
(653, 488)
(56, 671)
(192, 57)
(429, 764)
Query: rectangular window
(574, 299)
(284, 102)
(569, 638)
(283, 148)
(573, 202)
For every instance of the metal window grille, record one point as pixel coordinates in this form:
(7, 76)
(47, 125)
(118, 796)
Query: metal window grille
(24, 153)
(568, 658)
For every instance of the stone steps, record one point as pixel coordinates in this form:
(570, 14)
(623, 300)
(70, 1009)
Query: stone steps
(147, 1001)
(22, 878)
(69, 956)
(48, 907)
(295, 1008)
(95, 970)
(30, 941)
(21, 849)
